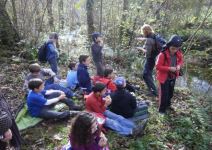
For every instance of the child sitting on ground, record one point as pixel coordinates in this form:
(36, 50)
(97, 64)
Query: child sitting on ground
(71, 78)
(107, 80)
(83, 75)
(37, 72)
(125, 104)
(97, 104)
(85, 134)
(38, 106)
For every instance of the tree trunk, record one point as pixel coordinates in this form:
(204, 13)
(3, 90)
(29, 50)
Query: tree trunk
(15, 21)
(90, 20)
(50, 15)
(123, 20)
(61, 17)
(8, 34)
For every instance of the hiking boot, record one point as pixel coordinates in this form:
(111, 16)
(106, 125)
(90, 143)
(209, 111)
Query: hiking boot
(139, 129)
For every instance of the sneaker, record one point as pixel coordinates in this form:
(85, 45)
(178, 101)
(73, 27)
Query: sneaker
(139, 129)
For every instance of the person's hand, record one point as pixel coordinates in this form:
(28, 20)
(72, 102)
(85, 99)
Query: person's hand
(62, 96)
(56, 80)
(101, 43)
(140, 38)
(141, 49)
(102, 141)
(107, 101)
(178, 67)
(173, 69)
(7, 135)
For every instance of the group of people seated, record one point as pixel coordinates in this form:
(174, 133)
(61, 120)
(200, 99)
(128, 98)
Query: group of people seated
(108, 102)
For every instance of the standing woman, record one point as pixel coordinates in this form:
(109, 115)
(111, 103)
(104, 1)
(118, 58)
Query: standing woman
(148, 48)
(52, 52)
(9, 132)
(168, 66)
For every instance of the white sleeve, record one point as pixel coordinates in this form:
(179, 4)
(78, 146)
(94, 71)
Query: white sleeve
(49, 71)
(51, 101)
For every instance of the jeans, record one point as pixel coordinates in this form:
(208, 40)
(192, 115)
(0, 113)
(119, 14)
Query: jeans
(118, 123)
(166, 93)
(67, 91)
(53, 65)
(147, 75)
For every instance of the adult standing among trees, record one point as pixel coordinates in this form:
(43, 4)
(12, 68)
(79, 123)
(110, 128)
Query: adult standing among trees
(96, 50)
(52, 51)
(168, 66)
(9, 132)
(148, 48)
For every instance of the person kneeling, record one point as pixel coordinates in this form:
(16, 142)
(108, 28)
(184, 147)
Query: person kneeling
(39, 106)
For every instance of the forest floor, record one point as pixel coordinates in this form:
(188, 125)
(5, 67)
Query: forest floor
(187, 128)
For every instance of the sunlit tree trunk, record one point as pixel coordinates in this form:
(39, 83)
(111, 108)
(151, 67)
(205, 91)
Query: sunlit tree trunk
(90, 20)
(123, 20)
(61, 11)
(50, 15)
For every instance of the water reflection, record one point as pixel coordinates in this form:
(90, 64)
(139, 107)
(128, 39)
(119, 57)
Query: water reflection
(197, 86)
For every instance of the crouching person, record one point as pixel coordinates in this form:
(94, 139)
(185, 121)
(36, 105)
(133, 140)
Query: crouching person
(39, 106)
(96, 103)
(85, 134)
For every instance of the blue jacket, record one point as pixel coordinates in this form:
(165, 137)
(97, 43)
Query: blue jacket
(83, 77)
(51, 51)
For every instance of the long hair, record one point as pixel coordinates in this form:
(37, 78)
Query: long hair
(81, 133)
(147, 30)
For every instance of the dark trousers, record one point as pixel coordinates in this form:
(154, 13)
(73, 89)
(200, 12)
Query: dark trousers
(53, 65)
(99, 68)
(166, 93)
(48, 113)
(67, 91)
(147, 75)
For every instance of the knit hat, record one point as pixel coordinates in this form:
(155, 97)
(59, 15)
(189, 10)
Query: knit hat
(119, 81)
(174, 41)
(95, 35)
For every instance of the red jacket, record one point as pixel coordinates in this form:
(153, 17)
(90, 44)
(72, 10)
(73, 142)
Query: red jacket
(108, 82)
(163, 64)
(94, 104)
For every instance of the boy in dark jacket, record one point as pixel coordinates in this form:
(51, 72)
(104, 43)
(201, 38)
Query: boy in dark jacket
(52, 52)
(96, 50)
(83, 75)
(124, 103)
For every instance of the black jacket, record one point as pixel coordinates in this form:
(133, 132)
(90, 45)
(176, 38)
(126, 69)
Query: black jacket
(16, 138)
(123, 103)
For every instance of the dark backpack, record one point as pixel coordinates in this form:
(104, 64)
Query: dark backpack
(159, 43)
(42, 52)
